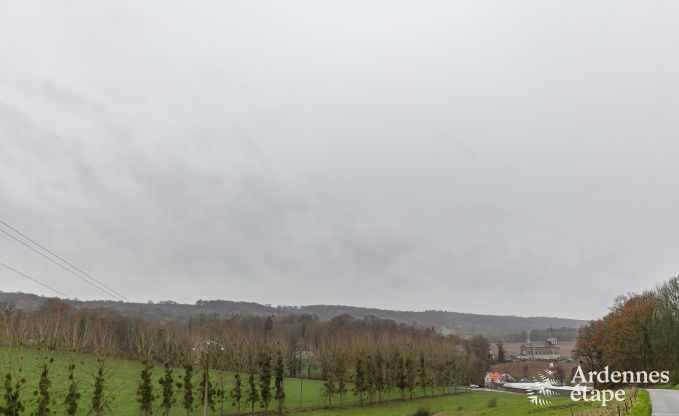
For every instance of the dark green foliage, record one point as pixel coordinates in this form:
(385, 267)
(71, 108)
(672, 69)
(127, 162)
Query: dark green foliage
(220, 393)
(410, 376)
(279, 380)
(268, 325)
(145, 390)
(99, 402)
(400, 376)
(359, 378)
(329, 385)
(370, 377)
(501, 355)
(341, 375)
(237, 392)
(265, 378)
(188, 399)
(476, 349)
(492, 402)
(379, 376)
(13, 405)
(167, 385)
(422, 373)
(73, 393)
(211, 392)
(44, 386)
(422, 412)
(252, 395)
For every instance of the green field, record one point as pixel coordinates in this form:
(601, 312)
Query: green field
(124, 379)
(643, 404)
(473, 404)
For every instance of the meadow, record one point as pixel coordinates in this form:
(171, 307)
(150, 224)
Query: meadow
(123, 378)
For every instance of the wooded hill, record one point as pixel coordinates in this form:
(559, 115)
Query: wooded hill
(464, 324)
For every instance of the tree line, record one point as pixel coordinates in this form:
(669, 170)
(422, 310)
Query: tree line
(562, 334)
(242, 361)
(640, 333)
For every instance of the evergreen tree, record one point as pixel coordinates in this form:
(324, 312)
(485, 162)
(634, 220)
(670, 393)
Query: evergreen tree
(400, 377)
(237, 392)
(422, 375)
(410, 376)
(359, 379)
(145, 390)
(100, 402)
(265, 378)
(12, 392)
(394, 371)
(329, 386)
(252, 395)
(501, 355)
(379, 375)
(279, 382)
(167, 385)
(188, 398)
(220, 393)
(451, 379)
(388, 377)
(44, 386)
(341, 375)
(370, 377)
(73, 393)
(205, 379)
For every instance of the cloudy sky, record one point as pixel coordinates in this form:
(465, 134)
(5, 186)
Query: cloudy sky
(491, 157)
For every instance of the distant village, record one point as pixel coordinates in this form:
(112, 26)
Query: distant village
(538, 363)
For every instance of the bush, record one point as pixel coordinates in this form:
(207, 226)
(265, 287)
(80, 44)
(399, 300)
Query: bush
(422, 412)
(492, 402)
(459, 408)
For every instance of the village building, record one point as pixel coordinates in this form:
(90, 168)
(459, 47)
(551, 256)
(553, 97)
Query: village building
(541, 350)
(491, 378)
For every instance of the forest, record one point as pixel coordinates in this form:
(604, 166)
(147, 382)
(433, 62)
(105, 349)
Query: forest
(640, 333)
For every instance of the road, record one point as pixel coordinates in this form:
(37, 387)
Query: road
(664, 402)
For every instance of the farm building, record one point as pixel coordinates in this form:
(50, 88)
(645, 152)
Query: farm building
(541, 350)
(492, 377)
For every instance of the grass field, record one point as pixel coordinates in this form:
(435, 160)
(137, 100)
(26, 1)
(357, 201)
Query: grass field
(123, 383)
(124, 379)
(472, 404)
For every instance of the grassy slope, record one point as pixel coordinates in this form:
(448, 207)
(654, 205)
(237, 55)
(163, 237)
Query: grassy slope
(642, 407)
(124, 378)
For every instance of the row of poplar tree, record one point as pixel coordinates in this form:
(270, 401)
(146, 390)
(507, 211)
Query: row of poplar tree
(249, 358)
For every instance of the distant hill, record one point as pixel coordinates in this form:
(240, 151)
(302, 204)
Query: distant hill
(464, 324)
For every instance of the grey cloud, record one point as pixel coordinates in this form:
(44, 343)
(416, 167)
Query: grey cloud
(472, 156)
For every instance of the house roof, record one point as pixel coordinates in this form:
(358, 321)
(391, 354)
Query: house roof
(494, 376)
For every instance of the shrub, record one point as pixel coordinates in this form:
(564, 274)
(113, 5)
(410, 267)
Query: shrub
(422, 412)
(492, 402)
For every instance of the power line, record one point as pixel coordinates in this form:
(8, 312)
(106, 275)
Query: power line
(60, 265)
(120, 295)
(34, 280)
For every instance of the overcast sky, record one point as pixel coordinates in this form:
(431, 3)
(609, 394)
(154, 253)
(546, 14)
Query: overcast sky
(490, 157)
